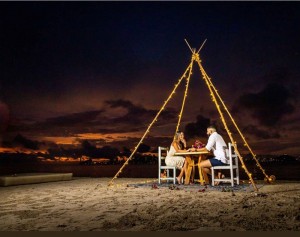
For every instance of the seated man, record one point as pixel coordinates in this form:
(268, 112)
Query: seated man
(216, 144)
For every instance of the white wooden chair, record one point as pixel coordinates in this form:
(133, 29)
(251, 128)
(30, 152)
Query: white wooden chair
(170, 176)
(233, 166)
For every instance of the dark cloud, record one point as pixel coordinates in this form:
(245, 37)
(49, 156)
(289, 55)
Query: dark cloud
(138, 115)
(197, 129)
(153, 141)
(74, 119)
(260, 133)
(132, 118)
(277, 147)
(25, 142)
(280, 75)
(135, 114)
(269, 105)
(62, 125)
(4, 117)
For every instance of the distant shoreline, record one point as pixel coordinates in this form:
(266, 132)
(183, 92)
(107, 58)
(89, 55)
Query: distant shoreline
(281, 171)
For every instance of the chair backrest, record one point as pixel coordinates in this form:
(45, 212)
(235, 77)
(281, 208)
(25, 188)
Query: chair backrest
(162, 153)
(233, 167)
(233, 158)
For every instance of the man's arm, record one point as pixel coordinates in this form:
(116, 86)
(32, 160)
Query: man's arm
(203, 149)
(199, 149)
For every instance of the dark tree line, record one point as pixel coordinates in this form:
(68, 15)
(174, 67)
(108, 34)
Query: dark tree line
(86, 149)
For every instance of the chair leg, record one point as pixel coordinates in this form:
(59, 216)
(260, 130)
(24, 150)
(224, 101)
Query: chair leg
(168, 175)
(174, 179)
(231, 177)
(174, 176)
(212, 177)
(237, 177)
(159, 176)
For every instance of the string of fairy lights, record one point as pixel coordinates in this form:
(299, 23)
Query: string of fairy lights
(214, 95)
(184, 97)
(270, 178)
(224, 122)
(111, 182)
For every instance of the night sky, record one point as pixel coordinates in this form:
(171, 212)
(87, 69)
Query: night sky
(100, 71)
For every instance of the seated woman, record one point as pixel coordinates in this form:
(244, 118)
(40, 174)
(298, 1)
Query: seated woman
(178, 145)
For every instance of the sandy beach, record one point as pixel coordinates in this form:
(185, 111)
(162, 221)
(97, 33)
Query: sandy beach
(138, 204)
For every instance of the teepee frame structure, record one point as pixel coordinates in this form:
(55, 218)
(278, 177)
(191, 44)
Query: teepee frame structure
(219, 103)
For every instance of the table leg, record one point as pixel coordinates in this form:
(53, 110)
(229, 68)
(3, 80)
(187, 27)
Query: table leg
(202, 175)
(190, 166)
(201, 180)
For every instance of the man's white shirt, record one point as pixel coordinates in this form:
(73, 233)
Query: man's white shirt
(218, 145)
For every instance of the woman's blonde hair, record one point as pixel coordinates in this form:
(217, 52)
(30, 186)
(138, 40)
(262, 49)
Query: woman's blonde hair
(177, 134)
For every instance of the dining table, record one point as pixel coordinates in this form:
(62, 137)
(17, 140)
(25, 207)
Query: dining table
(191, 157)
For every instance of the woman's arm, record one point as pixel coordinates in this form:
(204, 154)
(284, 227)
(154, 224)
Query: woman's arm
(177, 148)
(199, 149)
